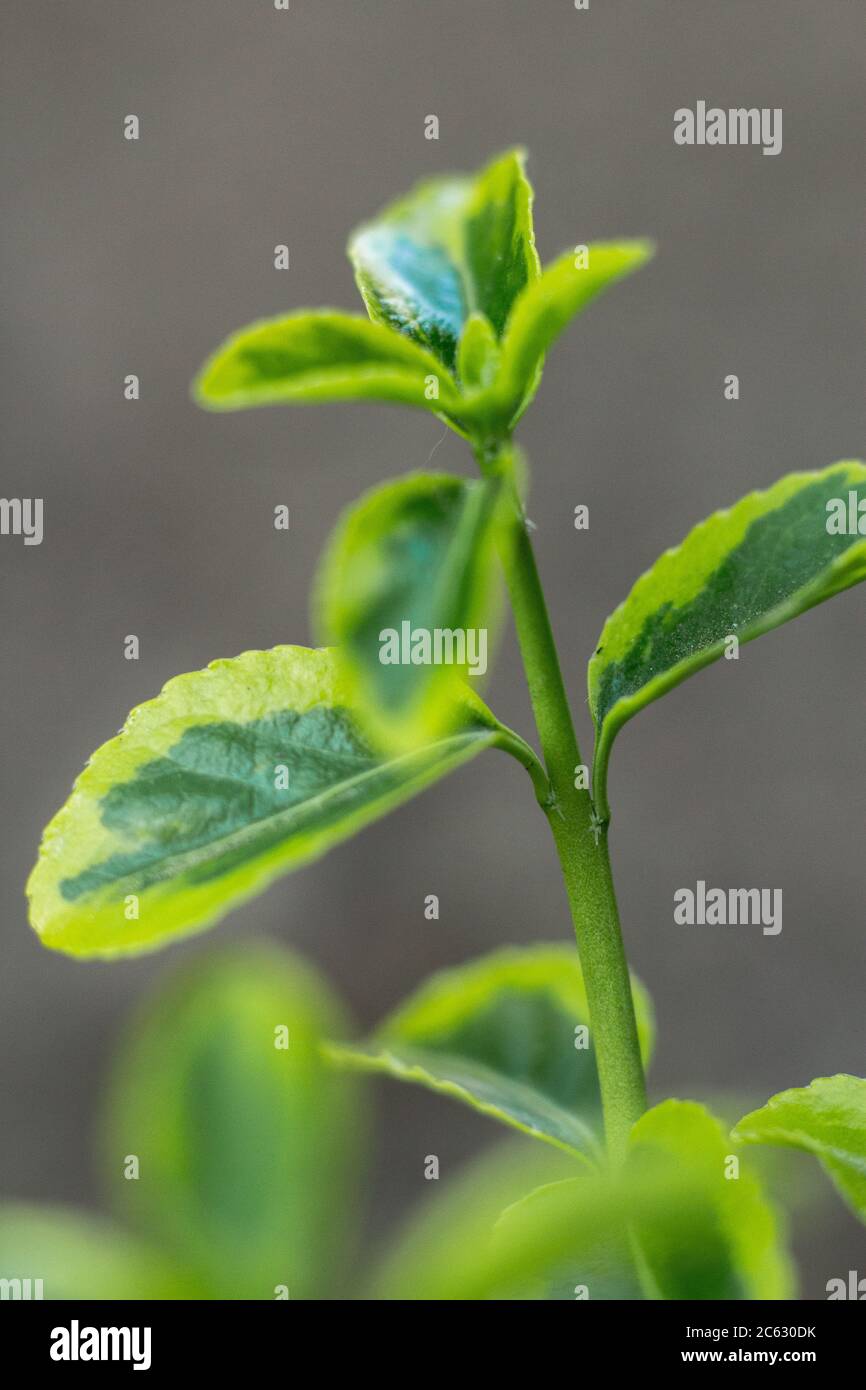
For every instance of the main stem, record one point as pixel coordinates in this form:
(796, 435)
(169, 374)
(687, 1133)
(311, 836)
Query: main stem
(581, 844)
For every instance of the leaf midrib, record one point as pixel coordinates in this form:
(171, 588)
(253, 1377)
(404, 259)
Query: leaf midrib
(191, 858)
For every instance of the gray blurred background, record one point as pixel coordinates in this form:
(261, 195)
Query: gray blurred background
(259, 127)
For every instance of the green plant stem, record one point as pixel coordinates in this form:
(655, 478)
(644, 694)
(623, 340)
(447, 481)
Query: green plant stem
(581, 844)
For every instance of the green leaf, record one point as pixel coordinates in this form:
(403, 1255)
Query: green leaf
(322, 355)
(449, 275)
(500, 1035)
(501, 259)
(412, 565)
(722, 1241)
(674, 1224)
(594, 1264)
(451, 247)
(478, 353)
(407, 266)
(447, 1251)
(826, 1118)
(695, 1234)
(740, 573)
(230, 778)
(82, 1257)
(548, 304)
(247, 1141)
(527, 1230)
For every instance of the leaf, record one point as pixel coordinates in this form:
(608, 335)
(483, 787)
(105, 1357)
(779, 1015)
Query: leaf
(446, 1249)
(478, 353)
(523, 1229)
(673, 1224)
(501, 258)
(231, 777)
(321, 355)
(82, 1257)
(742, 572)
(247, 1141)
(548, 304)
(595, 1264)
(722, 1241)
(449, 274)
(413, 562)
(827, 1118)
(451, 247)
(700, 1236)
(499, 1034)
